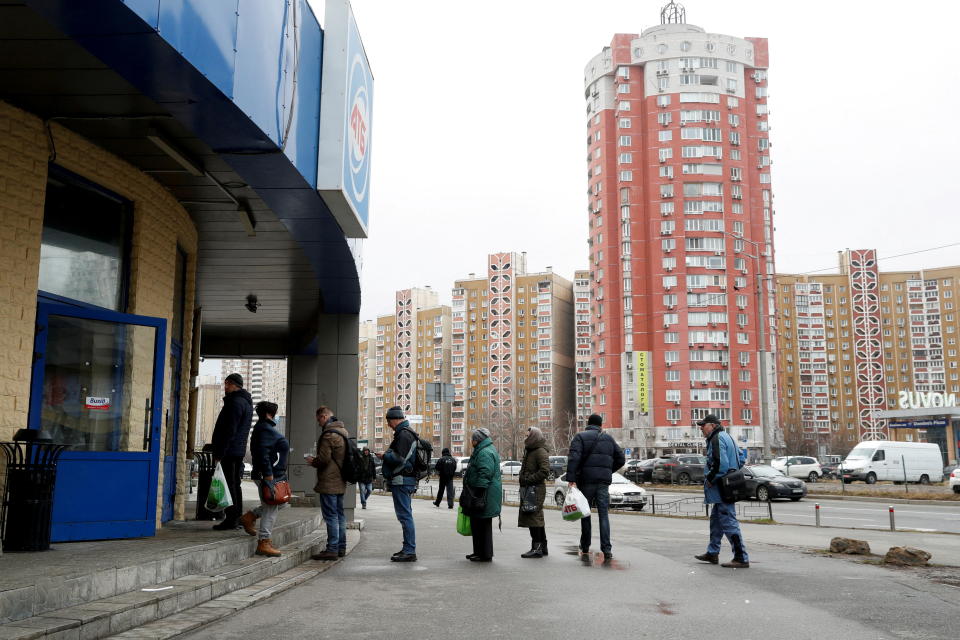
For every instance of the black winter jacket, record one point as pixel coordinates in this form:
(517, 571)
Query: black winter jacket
(233, 425)
(446, 467)
(605, 457)
(268, 450)
(368, 472)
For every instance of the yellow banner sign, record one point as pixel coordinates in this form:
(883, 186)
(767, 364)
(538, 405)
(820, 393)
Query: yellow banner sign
(642, 371)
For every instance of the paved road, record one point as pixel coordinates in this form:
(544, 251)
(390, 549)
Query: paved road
(847, 513)
(654, 589)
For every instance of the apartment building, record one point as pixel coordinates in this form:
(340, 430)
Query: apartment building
(869, 355)
(583, 345)
(680, 212)
(512, 355)
(264, 379)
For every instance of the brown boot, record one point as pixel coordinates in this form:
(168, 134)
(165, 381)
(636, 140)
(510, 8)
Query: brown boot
(265, 548)
(247, 521)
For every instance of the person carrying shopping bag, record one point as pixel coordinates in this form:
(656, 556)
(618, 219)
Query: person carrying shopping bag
(268, 450)
(534, 472)
(482, 494)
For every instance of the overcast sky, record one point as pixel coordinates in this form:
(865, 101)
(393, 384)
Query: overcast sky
(479, 127)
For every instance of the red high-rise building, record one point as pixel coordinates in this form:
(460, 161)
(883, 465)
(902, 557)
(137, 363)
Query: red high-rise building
(681, 244)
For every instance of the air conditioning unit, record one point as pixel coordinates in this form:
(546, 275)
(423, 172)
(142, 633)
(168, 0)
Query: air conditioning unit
(669, 269)
(671, 422)
(676, 403)
(670, 306)
(669, 364)
(665, 251)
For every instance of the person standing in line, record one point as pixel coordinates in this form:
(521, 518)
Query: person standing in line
(401, 480)
(534, 472)
(483, 479)
(722, 458)
(230, 434)
(594, 456)
(446, 469)
(324, 415)
(367, 474)
(331, 451)
(268, 450)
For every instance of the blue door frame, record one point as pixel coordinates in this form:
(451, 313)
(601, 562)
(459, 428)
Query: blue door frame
(103, 494)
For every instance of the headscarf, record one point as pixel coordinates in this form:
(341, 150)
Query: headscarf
(534, 438)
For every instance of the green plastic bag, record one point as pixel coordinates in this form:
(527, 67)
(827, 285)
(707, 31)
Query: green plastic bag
(218, 498)
(463, 523)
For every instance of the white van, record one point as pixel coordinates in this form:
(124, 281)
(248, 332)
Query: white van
(897, 461)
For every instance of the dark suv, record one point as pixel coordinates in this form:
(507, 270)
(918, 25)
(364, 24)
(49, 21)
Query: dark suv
(558, 466)
(680, 468)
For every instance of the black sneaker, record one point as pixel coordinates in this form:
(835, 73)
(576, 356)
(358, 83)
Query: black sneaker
(341, 553)
(405, 557)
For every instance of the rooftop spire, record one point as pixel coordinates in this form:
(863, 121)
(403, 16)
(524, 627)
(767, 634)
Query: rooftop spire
(673, 13)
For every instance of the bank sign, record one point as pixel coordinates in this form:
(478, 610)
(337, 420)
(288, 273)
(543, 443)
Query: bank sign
(346, 110)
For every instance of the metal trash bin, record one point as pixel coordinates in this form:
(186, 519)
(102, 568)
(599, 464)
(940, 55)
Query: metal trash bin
(27, 508)
(205, 468)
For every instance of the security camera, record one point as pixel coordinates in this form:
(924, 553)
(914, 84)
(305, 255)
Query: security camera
(252, 303)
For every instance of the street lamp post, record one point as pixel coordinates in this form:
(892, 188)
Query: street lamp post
(762, 353)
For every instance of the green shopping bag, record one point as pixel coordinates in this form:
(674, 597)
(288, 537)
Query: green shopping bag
(218, 498)
(463, 523)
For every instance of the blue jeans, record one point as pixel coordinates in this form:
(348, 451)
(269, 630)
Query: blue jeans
(403, 507)
(366, 488)
(723, 522)
(331, 505)
(599, 497)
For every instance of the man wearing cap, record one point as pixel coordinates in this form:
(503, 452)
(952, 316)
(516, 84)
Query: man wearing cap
(401, 480)
(722, 457)
(593, 457)
(230, 435)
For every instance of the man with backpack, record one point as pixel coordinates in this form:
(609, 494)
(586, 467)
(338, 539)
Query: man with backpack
(333, 453)
(722, 458)
(400, 477)
(446, 469)
(593, 457)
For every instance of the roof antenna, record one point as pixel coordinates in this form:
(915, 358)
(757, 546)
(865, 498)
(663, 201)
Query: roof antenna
(673, 13)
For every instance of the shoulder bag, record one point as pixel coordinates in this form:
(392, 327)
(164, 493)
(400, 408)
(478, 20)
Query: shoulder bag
(275, 493)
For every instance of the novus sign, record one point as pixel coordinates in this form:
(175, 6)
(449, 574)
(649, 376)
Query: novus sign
(926, 400)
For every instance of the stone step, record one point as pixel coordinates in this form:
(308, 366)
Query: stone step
(116, 614)
(74, 574)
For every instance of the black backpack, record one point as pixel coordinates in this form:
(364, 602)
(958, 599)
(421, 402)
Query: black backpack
(352, 467)
(421, 459)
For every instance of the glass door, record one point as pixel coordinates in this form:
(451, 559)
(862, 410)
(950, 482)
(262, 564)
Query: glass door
(97, 386)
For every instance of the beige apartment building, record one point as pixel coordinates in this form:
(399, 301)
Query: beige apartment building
(399, 354)
(513, 356)
(868, 355)
(264, 379)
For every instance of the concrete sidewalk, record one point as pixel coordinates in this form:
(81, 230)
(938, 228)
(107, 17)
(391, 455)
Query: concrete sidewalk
(653, 588)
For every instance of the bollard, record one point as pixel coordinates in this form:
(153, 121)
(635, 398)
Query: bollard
(817, 511)
(893, 526)
(653, 503)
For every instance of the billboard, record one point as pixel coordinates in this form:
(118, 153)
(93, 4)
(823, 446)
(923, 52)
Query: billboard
(346, 110)
(642, 370)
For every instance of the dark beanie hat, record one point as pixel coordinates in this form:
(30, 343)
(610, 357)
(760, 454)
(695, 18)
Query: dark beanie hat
(236, 379)
(395, 413)
(595, 419)
(445, 452)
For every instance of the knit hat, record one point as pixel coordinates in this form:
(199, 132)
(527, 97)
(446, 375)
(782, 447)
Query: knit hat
(236, 379)
(480, 434)
(595, 419)
(445, 452)
(395, 413)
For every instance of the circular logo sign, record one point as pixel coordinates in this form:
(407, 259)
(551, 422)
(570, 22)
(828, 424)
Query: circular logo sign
(359, 129)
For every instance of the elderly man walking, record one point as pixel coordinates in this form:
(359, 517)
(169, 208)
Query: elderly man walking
(722, 458)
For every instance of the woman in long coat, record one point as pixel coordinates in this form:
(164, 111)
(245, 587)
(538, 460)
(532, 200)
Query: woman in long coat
(483, 477)
(534, 473)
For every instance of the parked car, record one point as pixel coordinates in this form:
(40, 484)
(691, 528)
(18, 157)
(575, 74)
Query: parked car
(955, 480)
(623, 493)
(798, 467)
(679, 468)
(766, 483)
(462, 464)
(642, 471)
(890, 460)
(558, 466)
(830, 469)
(510, 468)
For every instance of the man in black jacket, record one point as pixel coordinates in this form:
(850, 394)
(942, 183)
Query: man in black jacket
(592, 459)
(230, 436)
(446, 469)
(368, 474)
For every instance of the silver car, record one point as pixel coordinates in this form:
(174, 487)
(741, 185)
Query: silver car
(623, 493)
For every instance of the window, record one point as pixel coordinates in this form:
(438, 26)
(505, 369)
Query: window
(663, 82)
(664, 117)
(670, 300)
(625, 158)
(711, 98)
(665, 136)
(702, 133)
(666, 191)
(702, 189)
(626, 176)
(663, 101)
(624, 141)
(624, 123)
(703, 169)
(665, 153)
(623, 106)
(83, 246)
(666, 172)
(623, 88)
(732, 85)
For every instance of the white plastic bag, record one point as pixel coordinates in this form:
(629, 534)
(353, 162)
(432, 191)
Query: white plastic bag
(575, 505)
(218, 498)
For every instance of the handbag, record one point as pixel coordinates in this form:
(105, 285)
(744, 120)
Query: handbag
(275, 493)
(473, 501)
(528, 499)
(463, 523)
(732, 486)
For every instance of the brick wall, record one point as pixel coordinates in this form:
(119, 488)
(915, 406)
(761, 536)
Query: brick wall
(160, 226)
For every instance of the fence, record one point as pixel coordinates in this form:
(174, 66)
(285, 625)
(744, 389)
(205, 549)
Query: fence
(694, 506)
